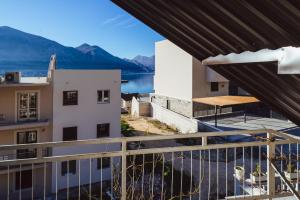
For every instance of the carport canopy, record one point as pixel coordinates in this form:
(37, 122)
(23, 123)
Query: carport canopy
(226, 100)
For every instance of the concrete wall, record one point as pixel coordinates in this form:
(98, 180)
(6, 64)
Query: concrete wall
(173, 71)
(86, 115)
(140, 108)
(180, 122)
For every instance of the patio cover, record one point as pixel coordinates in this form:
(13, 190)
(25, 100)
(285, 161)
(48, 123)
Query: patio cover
(211, 28)
(226, 100)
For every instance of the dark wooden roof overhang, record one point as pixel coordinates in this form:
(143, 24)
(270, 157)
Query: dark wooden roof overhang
(210, 28)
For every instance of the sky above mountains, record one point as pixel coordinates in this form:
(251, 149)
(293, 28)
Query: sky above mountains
(74, 22)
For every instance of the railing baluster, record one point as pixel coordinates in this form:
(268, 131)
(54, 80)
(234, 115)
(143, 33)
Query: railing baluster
(68, 179)
(90, 178)
(191, 181)
(234, 169)
(32, 182)
(181, 175)
(251, 170)
(45, 183)
(259, 176)
(172, 174)
(297, 185)
(112, 177)
(162, 178)
(244, 170)
(79, 172)
(8, 183)
(226, 172)
(20, 182)
(153, 174)
(200, 172)
(217, 173)
(56, 195)
(143, 175)
(133, 176)
(124, 166)
(281, 165)
(208, 194)
(100, 178)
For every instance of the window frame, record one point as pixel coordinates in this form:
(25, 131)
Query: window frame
(66, 101)
(100, 163)
(103, 101)
(214, 87)
(17, 105)
(64, 167)
(68, 138)
(29, 153)
(99, 134)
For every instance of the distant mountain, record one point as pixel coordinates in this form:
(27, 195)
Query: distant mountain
(144, 61)
(18, 48)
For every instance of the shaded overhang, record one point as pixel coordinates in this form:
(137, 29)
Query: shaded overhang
(226, 100)
(211, 28)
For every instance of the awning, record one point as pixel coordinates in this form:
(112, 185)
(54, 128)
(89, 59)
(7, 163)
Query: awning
(226, 100)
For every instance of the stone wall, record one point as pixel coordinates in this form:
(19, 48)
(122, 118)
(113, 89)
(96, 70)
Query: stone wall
(182, 107)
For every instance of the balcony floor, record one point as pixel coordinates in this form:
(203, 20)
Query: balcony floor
(22, 125)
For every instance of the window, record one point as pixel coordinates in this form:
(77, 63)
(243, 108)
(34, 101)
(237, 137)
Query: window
(70, 133)
(103, 96)
(72, 167)
(102, 130)
(70, 98)
(27, 106)
(214, 86)
(26, 137)
(105, 163)
(23, 179)
(168, 104)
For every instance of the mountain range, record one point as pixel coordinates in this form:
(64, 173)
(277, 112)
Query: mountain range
(18, 48)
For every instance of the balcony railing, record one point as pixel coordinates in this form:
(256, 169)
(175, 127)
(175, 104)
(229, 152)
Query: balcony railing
(192, 166)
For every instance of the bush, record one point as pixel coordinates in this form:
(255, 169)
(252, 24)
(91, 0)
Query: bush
(126, 129)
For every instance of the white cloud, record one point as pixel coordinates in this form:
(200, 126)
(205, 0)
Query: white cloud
(112, 19)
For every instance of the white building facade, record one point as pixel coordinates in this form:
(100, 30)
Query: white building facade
(92, 111)
(68, 105)
(179, 77)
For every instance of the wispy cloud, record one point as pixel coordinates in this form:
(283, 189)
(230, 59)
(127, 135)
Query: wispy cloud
(121, 21)
(112, 19)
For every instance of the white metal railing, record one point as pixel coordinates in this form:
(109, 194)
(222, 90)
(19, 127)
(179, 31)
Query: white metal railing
(191, 166)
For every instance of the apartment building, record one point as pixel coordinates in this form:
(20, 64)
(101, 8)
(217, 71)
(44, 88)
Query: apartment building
(179, 78)
(67, 105)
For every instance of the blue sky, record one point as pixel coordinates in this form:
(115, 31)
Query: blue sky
(73, 22)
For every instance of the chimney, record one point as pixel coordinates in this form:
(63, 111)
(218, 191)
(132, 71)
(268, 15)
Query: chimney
(52, 67)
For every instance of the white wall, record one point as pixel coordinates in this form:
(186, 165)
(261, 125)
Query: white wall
(182, 123)
(173, 71)
(86, 115)
(139, 108)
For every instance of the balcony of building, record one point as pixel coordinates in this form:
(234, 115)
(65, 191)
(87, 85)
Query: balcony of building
(202, 165)
(12, 125)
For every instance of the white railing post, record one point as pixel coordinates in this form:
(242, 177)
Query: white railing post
(270, 169)
(204, 141)
(123, 191)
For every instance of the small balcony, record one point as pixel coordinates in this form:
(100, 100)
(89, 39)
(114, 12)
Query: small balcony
(192, 166)
(5, 126)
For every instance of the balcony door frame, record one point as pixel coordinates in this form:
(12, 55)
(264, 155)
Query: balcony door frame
(17, 104)
(26, 130)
